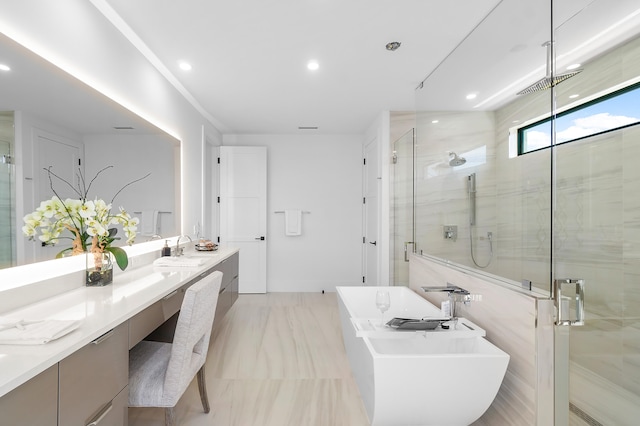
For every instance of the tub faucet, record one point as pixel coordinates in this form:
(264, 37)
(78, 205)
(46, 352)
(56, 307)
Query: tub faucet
(179, 250)
(456, 294)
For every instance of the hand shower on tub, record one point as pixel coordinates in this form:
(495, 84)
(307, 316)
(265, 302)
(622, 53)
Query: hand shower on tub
(471, 189)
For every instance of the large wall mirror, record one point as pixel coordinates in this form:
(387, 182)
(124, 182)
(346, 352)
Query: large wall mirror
(49, 118)
(480, 204)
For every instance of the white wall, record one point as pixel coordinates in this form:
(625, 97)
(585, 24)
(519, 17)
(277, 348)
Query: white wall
(322, 175)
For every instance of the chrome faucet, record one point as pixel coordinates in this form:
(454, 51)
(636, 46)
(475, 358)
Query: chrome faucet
(179, 250)
(456, 294)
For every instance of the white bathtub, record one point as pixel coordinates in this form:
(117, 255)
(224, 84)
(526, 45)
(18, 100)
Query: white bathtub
(408, 378)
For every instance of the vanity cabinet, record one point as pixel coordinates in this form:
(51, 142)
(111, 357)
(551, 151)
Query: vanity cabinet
(34, 403)
(158, 320)
(89, 387)
(93, 382)
(229, 286)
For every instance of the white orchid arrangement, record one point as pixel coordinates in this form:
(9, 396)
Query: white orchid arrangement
(89, 221)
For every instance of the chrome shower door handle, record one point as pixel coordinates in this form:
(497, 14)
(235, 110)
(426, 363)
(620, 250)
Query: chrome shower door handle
(406, 250)
(563, 302)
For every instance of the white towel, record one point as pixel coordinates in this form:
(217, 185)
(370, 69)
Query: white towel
(292, 222)
(149, 223)
(25, 332)
(179, 262)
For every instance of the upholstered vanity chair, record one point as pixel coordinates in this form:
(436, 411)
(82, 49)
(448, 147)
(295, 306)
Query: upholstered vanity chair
(159, 373)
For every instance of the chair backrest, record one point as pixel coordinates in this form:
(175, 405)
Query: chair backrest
(191, 338)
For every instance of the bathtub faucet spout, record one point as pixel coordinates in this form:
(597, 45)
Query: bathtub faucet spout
(456, 295)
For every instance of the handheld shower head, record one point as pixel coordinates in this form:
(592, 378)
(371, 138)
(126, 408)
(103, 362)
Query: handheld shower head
(455, 160)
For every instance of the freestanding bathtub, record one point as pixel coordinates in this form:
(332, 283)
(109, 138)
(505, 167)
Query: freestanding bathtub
(440, 377)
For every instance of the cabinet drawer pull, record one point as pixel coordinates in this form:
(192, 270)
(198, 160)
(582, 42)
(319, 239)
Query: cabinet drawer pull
(101, 415)
(104, 337)
(170, 295)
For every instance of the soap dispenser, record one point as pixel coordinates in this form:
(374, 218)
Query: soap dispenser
(166, 250)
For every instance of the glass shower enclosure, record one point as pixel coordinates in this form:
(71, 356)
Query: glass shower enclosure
(567, 211)
(403, 216)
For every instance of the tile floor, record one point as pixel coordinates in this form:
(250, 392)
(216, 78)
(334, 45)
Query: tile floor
(275, 359)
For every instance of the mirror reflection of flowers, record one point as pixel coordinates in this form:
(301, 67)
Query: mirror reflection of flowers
(88, 221)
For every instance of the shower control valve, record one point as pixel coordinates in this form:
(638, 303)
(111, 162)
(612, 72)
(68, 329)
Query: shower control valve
(450, 232)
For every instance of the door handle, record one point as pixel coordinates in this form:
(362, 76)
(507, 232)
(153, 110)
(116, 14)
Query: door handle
(374, 243)
(563, 303)
(259, 238)
(406, 250)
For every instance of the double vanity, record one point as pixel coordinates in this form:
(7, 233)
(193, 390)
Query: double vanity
(81, 378)
(442, 376)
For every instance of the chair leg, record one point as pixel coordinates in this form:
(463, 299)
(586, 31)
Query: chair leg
(202, 387)
(169, 416)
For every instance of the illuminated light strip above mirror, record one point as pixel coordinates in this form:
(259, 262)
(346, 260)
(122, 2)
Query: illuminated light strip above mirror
(116, 20)
(4, 67)
(17, 35)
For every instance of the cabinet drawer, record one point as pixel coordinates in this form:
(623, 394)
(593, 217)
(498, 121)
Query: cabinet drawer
(229, 269)
(91, 377)
(35, 403)
(141, 325)
(114, 413)
(223, 305)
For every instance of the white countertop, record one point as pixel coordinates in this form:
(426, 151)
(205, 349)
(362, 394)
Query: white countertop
(99, 308)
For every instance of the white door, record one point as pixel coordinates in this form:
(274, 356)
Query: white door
(65, 158)
(371, 247)
(243, 212)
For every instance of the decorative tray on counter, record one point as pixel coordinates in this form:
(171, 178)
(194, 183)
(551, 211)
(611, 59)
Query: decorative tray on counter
(208, 246)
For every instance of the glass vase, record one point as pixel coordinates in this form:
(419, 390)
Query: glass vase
(99, 270)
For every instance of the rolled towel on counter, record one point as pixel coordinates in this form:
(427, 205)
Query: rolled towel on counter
(25, 332)
(179, 262)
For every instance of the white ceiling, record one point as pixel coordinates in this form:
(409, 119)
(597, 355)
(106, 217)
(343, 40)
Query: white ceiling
(249, 57)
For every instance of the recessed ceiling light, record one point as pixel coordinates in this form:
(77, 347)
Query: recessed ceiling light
(471, 96)
(4, 67)
(313, 65)
(573, 66)
(393, 46)
(185, 66)
(574, 96)
(435, 121)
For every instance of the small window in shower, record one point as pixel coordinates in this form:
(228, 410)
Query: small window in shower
(606, 113)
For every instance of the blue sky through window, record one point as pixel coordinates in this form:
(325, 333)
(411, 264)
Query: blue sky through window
(607, 113)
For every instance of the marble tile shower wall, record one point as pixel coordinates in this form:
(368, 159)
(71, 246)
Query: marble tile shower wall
(441, 190)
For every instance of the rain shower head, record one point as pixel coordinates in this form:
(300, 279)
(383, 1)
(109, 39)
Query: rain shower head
(455, 160)
(548, 81)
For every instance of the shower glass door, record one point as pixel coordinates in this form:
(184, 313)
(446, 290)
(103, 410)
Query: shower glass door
(596, 236)
(403, 206)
